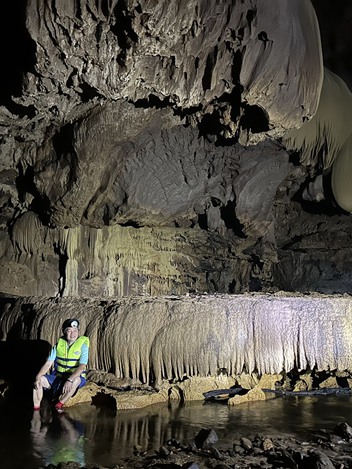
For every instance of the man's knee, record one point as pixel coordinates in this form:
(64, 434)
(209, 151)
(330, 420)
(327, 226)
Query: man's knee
(44, 382)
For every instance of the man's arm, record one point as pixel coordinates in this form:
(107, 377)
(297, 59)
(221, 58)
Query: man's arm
(46, 367)
(43, 370)
(81, 368)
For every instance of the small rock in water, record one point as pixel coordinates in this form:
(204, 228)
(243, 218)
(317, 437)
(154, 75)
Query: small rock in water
(206, 437)
(163, 451)
(173, 442)
(267, 444)
(246, 443)
(215, 453)
(344, 430)
(191, 465)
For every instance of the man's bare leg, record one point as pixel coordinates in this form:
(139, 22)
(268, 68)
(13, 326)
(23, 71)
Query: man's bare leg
(39, 385)
(68, 391)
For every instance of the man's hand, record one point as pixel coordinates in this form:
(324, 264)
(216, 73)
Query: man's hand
(67, 385)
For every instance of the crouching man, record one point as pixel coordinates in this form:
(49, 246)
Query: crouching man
(64, 371)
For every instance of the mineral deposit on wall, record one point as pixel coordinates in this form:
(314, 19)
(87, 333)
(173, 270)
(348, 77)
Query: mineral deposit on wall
(147, 148)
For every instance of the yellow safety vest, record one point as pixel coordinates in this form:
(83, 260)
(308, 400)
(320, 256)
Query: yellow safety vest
(67, 358)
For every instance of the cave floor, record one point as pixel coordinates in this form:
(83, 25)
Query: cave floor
(100, 436)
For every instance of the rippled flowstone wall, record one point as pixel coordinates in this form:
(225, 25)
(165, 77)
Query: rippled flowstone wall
(180, 340)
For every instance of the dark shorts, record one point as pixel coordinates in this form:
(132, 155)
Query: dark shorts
(57, 383)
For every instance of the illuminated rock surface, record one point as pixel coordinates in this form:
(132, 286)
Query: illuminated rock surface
(149, 176)
(141, 149)
(148, 171)
(166, 338)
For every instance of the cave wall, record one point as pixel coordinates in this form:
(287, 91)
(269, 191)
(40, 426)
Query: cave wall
(202, 250)
(170, 338)
(141, 151)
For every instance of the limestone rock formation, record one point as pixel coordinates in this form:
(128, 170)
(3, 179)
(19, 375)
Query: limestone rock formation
(141, 150)
(170, 338)
(327, 137)
(255, 394)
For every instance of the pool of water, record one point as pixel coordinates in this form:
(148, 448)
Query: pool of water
(97, 435)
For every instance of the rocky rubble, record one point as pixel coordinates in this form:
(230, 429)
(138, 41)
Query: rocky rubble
(104, 388)
(322, 450)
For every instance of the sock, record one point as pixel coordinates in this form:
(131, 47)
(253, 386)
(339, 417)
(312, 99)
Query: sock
(36, 407)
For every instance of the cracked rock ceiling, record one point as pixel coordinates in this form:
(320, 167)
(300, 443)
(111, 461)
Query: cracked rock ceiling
(171, 147)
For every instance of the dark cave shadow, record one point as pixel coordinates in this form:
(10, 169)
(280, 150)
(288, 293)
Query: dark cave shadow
(328, 206)
(20, 361)
(17, 54)
(20, 357)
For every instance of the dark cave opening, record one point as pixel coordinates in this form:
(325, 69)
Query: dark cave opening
(208, 72)
(254, 119)
(210, 125)
(228, 214)
(203, 221)
(65, 152)
(152, 101)
(63, 258)
(123, 30)
(232, 287)
(131, 223)
(88, 92)
(18, 52)
(255, 283)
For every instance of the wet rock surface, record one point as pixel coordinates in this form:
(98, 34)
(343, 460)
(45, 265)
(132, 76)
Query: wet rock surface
(323, 450)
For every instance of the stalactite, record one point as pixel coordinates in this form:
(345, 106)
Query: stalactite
(326, 138)
(119, 253)
(329, 128)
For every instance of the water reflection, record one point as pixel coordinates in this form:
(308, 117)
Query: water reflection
(92, 435)
(57, 438)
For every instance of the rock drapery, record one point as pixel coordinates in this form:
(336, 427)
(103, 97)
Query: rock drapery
(327, 137)
(170, 338)
(141, 151)
(147, 149)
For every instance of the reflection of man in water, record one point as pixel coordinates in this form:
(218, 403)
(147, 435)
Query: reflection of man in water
(58, 440)
(69, 357)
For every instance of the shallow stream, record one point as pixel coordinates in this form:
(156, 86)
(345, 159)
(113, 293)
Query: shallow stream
(95, 435)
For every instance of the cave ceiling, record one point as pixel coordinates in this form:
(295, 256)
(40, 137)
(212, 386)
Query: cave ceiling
(173, 147)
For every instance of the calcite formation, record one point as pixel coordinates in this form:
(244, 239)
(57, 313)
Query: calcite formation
(169, 338)
(146, 148)
(327, 138)
(157, 157)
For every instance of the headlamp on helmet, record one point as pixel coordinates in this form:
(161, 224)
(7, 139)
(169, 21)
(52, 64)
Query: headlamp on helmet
(70, 323)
